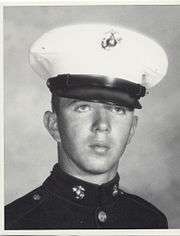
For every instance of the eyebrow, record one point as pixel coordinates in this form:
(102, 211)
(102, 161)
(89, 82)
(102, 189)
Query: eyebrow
(94, 101)
(106, 104)
(73, 101)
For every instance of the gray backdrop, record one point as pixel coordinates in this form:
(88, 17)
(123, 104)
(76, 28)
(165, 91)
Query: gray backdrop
(150, 166)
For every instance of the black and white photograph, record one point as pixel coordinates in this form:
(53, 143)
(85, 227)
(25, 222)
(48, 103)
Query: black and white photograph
(91, 117)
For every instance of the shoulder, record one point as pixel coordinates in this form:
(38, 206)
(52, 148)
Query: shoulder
(146, 209)
(23, 206)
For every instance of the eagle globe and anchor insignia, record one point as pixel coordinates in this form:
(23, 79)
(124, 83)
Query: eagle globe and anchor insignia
(110, 40)
(79, 192)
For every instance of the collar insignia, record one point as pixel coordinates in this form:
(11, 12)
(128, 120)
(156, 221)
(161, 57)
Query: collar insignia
(79, 192)
(115, 190)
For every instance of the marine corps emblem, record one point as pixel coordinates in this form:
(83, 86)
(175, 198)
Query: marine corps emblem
(110, 40)
(79, 192)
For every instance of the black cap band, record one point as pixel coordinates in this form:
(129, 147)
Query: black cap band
(93, 87)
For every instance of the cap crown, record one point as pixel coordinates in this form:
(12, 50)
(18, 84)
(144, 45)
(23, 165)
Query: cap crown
(99, 49)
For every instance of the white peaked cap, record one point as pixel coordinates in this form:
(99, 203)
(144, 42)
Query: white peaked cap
(99, 49)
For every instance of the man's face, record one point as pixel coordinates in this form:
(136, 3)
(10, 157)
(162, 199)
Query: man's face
(93, 135)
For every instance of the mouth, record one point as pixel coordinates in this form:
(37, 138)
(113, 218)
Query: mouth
(100, 148)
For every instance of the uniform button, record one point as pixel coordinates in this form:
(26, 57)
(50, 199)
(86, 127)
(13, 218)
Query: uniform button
(102, 216)
(36, 197)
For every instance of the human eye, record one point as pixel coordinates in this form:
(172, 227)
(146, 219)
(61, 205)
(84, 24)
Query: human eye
(82, 108)
(118, 109)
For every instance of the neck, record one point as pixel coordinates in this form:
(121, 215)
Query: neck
(68, 166)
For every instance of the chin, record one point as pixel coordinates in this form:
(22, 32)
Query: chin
(96, 168)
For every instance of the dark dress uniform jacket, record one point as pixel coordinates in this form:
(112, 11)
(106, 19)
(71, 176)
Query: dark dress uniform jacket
(66, 202)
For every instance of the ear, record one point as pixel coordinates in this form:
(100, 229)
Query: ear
(51, 124)
(133, 128)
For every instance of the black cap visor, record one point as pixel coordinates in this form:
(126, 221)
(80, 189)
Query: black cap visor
(103, 95)
(96, 88)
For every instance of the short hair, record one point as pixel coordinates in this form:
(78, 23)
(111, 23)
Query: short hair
(55, 102)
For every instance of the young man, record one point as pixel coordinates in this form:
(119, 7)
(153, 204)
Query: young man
(96, 74)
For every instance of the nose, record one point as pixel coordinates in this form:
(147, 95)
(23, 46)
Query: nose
(101, 121)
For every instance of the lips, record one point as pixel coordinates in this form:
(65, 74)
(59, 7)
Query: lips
(100, 148)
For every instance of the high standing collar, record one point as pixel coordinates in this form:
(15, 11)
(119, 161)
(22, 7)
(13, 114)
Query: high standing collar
(76, 190)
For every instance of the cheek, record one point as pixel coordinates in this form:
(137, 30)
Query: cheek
(121, 130)
(73, 128)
